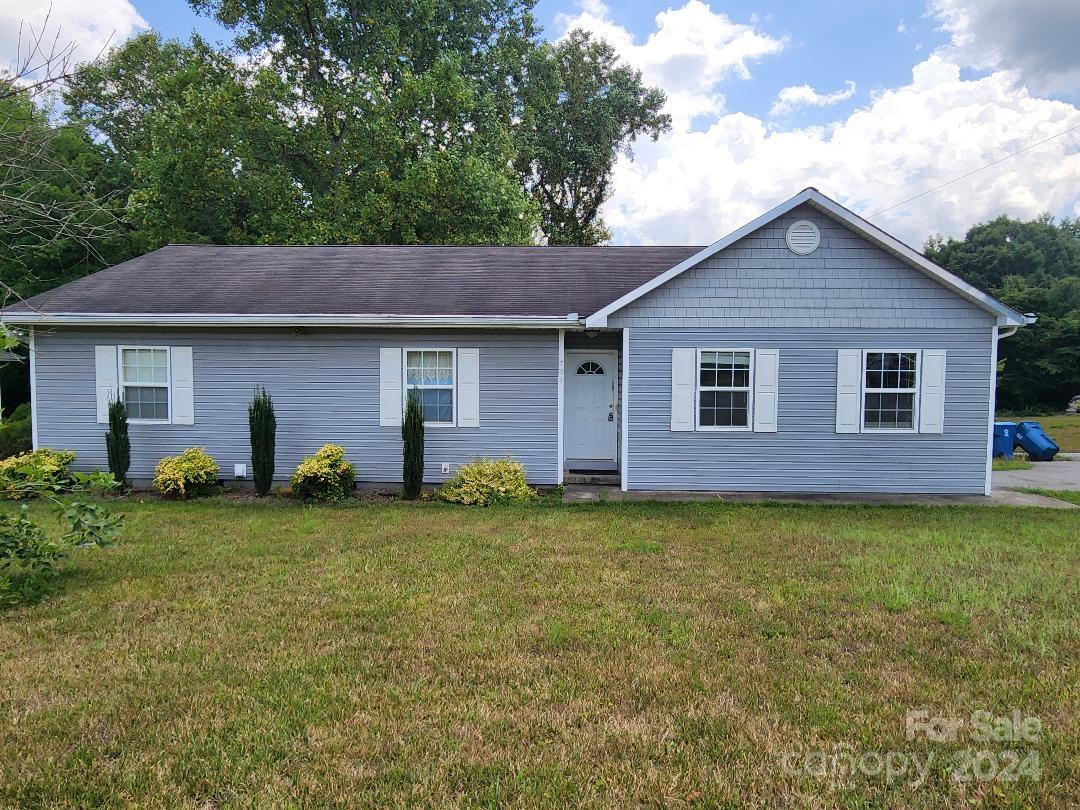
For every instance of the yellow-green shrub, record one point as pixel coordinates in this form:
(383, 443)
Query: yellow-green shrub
(325, 476)
(26, 474)
(191, 473)
(487, 480)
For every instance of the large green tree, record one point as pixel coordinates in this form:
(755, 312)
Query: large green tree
(203, 138)
(404, 107)
(1033, 267)
(582, 108)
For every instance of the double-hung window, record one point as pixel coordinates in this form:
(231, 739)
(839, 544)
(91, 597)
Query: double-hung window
(724, 389)
(144, 383)
(890, 388)
(430, 372)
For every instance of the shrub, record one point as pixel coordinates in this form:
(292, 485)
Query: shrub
(485, 481)
(325, 476)
(191, 473)
(263, 429)
(117, 443)
(412, 443)
(16, 432)
(43, 470)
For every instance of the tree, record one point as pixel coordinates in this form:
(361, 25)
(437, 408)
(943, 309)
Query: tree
(1033, 267)
(582, 110)
(412, 442)
(204, 140)
(402, 108)
(263, 428)
(117, 442)
(54, 216)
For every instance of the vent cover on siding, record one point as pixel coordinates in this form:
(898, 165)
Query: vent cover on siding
(803, 237)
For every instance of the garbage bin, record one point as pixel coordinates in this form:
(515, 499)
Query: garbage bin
(1038, 446)
(1004, 438)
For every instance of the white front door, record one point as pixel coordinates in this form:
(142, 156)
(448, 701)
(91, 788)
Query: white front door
(590, 405)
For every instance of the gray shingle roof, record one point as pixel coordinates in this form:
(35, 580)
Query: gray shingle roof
(362, 280)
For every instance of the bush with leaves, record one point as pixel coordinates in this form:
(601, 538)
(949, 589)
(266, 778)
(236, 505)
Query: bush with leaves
(16, 432)
(412, 443)
(187, 475)
(117, 443)
(28, 557)
(326, 476)
(263, 429)
(486, 481)
(38, 471)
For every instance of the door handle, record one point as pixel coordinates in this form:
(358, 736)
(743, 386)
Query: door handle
(611, 416)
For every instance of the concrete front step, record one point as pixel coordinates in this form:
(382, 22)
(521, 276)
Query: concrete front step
(596, 479)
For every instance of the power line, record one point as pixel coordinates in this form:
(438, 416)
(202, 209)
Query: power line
(975, 171)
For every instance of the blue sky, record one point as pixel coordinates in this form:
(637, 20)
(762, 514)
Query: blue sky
(871, 101)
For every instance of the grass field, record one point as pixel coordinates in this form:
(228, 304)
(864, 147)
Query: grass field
(1070, 495)
(1062, 428)
(610, 654)
(1006, 464)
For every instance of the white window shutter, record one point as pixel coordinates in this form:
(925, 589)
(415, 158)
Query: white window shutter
(108, 383)
(766, 389)
(848, 387)
(683, 371)
(183, 385)
(932, 391)
(390, 374)
(468, 387)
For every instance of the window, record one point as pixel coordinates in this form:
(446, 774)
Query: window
(144, 381)
(589, 367)
(890, 381)
(724, 384)
(431, 372)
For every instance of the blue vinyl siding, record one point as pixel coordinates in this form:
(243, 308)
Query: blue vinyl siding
(325, 385)
(847, 294)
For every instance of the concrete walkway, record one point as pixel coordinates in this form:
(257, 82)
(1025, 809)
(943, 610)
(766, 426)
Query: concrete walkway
(1045, 475)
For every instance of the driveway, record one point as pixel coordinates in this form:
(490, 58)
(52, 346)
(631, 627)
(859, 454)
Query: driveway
(1043, 475)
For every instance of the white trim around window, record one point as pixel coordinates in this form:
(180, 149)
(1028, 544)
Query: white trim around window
(914, 391)
(123, 384)
(452, 387)
(748, 389)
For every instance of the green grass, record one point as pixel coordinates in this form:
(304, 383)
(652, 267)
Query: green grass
(619, 654)
(1062, 428)
(1070, 495)
(1004, 464)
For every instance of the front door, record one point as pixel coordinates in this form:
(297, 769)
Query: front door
(590, 405)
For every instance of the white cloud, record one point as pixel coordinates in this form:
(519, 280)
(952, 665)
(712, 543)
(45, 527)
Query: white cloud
(89, 24)
(696, 186)
(803, 95)
(901, 27)
(1036, 38)
(691, 51)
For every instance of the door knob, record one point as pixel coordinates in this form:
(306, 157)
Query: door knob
(611, 416)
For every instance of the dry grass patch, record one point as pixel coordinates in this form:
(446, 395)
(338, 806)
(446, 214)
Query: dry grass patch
(615, 654)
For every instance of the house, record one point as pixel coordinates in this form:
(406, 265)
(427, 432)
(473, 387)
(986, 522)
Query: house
(807, 351)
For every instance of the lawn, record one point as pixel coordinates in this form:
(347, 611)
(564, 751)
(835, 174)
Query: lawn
(1005, 464)
(610, 654)
(1062, 428)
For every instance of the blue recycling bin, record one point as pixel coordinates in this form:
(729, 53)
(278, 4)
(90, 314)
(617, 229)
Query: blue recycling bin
(1038, 446)
(1004, 439)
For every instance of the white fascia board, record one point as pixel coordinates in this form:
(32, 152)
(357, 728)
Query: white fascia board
(1006, 316)
(215, 320)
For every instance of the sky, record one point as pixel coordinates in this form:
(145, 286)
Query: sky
(870, 102)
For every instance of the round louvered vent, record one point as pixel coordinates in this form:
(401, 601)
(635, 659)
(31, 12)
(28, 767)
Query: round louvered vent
(803, 237)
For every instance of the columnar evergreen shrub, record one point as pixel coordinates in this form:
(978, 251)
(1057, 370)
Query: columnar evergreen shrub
(16, 433)
(325, 476)
(191, 473)
(412, 441)
(486, 481)
(263, 425)
(117, 443)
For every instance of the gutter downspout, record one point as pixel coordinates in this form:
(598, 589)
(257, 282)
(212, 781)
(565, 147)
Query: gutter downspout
(999, 334)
